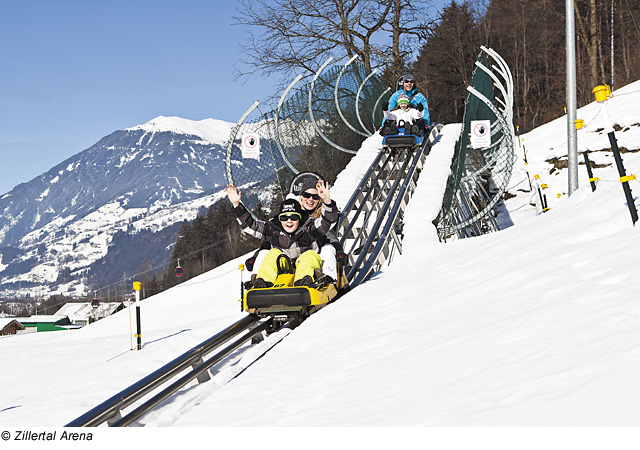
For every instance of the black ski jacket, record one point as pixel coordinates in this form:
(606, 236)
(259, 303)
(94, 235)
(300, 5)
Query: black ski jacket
(293, 245)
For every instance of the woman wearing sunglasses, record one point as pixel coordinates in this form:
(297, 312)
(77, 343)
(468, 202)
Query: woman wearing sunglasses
(303, 187)
(289, 232)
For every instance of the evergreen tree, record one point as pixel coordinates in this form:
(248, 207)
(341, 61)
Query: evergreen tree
(445, 63)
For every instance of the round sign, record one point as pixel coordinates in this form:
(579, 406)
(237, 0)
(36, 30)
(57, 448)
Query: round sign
(250, 141)
(480, 129)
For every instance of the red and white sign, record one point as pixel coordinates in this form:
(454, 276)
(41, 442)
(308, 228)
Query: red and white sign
(480, 133)
(251, 146)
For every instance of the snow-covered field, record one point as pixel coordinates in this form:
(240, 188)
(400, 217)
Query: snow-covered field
(534, 326)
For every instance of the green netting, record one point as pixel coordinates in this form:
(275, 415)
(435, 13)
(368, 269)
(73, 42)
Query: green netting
(479, 176)
(318, 126)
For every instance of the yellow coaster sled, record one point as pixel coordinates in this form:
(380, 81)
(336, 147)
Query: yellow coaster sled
(285, 299)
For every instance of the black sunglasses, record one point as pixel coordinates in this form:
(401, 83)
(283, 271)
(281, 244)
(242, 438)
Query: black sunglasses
(408, 81)
(284, 217)
(309, 195)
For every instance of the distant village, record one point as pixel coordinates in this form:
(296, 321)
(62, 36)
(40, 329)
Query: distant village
(70, 316)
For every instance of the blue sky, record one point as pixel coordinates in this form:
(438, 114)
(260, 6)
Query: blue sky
(74, 71)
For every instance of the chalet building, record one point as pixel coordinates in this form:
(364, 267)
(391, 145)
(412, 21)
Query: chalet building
(83, 314)
(9, 325)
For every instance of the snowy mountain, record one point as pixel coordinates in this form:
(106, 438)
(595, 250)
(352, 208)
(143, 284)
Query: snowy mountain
(141, 180)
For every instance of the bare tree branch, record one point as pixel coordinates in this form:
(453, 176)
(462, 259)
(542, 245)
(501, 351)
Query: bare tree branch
(292, 35)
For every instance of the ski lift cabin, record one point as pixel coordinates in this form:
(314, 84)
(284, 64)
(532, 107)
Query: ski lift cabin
(95, 303)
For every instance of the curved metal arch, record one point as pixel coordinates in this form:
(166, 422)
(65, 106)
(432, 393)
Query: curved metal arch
(503, 69)
(336, 98)
(277, 123)
(491, 161)
(375, 107)
(373, 72)
(470, 217)
(501, 121)
(232, 138)
(505, 72)
(498, 196)
(313, 120)
(496, 82)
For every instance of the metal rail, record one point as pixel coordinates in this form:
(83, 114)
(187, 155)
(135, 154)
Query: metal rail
(371, 222)
(110, 410)
(384, 247)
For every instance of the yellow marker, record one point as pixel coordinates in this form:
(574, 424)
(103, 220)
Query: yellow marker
(536, 176)
(559, 195)
(136, 287)
(602, 92)
(627, 178)
(241, 267)
(579, 124)
(544, 186)
(594, 179)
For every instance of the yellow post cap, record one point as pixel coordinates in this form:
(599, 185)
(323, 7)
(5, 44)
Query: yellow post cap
(137, 285)
(627, 178)
(602, 92)
(241, 267)
(536, 176)
(579, 124)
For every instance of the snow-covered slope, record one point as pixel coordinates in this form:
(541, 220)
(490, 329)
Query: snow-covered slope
(536, 325)
(545, 149)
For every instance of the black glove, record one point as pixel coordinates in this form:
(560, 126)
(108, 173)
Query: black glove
(420, 107)
(385, 106)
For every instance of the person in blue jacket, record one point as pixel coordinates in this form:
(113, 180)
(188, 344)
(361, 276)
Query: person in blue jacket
(410, 89)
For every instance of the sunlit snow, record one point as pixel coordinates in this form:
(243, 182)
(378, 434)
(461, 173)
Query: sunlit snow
(535, 325)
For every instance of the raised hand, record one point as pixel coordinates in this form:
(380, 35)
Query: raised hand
(323, 191)
(233, 195)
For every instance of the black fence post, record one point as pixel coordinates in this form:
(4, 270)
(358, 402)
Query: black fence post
(602, 94)
(136, 287)
(592, 180)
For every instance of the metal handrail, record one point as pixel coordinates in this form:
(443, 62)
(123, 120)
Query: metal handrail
(194, 374)
(111, 407)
